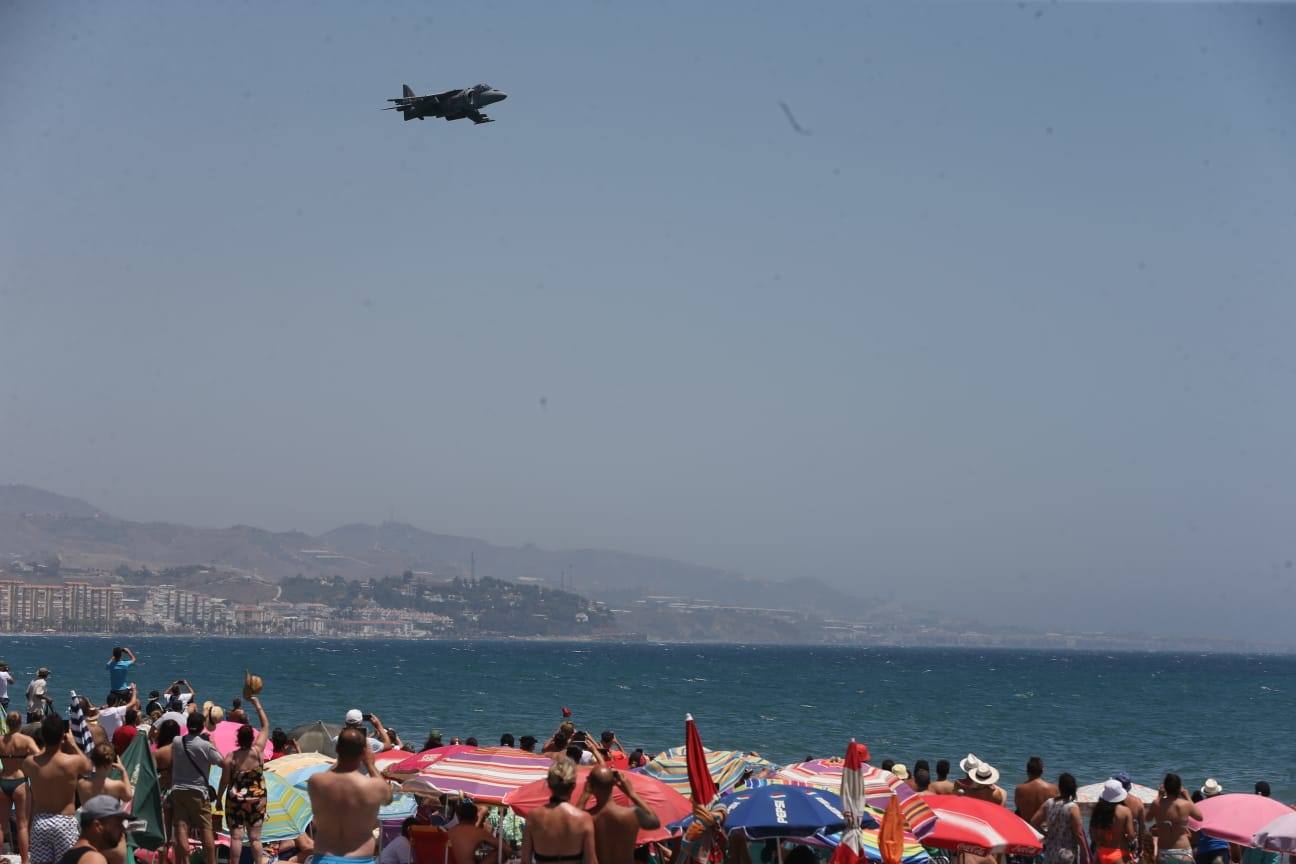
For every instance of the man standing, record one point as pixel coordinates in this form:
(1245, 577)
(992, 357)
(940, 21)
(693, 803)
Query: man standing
(1028, 797)
(112, 715)
(192, 758)
(942, 785)
(6, 678)
(981, 781)
(119, 666)
(616, 828)
(103, 828)
(37, 702)
(356, 720)
(351, 799)
(53, 773)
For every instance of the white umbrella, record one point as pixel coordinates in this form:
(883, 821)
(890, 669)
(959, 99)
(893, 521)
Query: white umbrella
(1279, 835)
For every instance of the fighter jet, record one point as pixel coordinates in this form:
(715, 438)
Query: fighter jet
(451, 105)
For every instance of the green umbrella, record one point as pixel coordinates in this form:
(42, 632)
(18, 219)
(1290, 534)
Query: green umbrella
(147, 803)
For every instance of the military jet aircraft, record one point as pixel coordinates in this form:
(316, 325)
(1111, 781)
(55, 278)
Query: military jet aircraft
(450, 105)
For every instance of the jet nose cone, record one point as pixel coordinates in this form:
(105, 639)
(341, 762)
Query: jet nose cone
(493, 96)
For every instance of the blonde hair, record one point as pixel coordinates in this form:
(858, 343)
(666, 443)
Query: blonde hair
(562, 776)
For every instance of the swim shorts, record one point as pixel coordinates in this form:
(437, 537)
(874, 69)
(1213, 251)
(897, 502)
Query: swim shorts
(340, 859)
(52, 835)
(190, 806)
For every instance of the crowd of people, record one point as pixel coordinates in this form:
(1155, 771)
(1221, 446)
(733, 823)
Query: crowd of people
(67, 796)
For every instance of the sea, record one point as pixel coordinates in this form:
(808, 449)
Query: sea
(1231, 717)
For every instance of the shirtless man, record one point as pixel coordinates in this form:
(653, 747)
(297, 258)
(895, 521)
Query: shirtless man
(1030, 796)
(101, 782)
(1169, 816)
(942, 785)
(53, 773)
(468, 835)
(14, 748)
(981, 781)
(349, 802)
(616, 828)
(559, 831)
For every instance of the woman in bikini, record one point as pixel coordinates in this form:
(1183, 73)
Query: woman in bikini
(558, 831)
(14, 748)
(1112, 826)
(1169, 817)
(104, 759)
(243, 787)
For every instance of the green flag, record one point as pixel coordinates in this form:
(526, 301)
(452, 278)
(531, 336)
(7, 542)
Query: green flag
(147, 803)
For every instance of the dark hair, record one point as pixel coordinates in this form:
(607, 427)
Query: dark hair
(1262, 788)
(433, 740)
(52, 730)
(1034, 767)
(506, 740)
(466, 811)
(574, 753)
(607, 737)
(351, 743)
(1173, 785)
(922, 776)
(1066, 787)
(167, 732)
(637, 758)
(246, 735)
(409, 823)
(112, 701)
(470, 742)
(922, 763)
(1104, 813)
(278, 738)
(942, 769)
(528, 743)
(117, 653)
(236, 704)
(194, 722)
(888, 764)
(103, 755)
(1197, 796)
(131, 717)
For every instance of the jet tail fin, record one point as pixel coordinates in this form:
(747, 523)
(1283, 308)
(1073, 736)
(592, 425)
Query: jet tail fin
(409, 91)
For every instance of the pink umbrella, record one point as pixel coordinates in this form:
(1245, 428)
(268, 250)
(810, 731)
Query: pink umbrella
(1237, 817)
(225, 738)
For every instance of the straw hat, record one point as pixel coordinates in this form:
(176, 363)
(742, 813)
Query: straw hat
(1211, 788)
(969, 763)
(1113, 792)
(251, 684)
(900, 771)
(980, 773)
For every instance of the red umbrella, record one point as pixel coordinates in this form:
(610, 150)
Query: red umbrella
(971, 825)
(669, 805)
(701, 786)
(411, 765)
(851, 848)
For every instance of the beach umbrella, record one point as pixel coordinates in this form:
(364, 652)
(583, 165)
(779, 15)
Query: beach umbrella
(850, 848)
(669, 805)
(726, 767)
(1237, 816)
(225, 739)
(1087, 796)
(702, 787)
(297, 768)
(879, 788)
(146, 801)
(970, 825)
(402, 806)
(781, 811)
(1279, 835)
(387, 759)
(891, 835)
(412, 765)
(485, 774)
(288, 810)
(316, 737)
(914, 853)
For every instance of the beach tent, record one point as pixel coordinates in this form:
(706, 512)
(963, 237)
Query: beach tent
(316, 737)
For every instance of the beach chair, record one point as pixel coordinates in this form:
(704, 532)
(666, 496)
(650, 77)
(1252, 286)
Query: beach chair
(429, 844)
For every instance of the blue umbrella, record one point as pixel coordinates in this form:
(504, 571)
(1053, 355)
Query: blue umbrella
(781, 811)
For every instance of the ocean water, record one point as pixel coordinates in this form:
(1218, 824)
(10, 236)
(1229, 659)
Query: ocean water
(1231, 717)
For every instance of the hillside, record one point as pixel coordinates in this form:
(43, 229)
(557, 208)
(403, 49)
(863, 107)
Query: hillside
(36, 525)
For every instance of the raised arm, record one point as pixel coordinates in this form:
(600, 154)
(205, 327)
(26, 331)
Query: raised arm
(264, 732)
(125, 779)
(648, 820)
(380, 732)
(129, 653)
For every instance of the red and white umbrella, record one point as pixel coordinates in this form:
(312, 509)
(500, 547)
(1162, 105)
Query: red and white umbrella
(853, 801)
(879, 788)
(669, 805)
(485, 774)
(980, 827)
(410, 766)
(1237, 817)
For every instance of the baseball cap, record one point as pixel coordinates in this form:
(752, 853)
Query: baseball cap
(102, 807)
(354, 717)
(1124, 779)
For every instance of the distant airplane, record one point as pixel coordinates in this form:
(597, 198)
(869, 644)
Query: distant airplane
(451, 105)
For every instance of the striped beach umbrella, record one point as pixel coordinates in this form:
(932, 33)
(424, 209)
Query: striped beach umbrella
(485, 774)
(870, 849)
(726, 767)
(879, 788)
(296, 768)
(288, 810)
(980, 827)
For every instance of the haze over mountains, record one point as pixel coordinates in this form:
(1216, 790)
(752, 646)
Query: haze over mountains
(36, 524)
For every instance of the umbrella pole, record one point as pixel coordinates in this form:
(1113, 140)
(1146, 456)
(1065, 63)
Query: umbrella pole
(778, 844)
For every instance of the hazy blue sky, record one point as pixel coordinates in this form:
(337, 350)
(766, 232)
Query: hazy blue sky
(1010, 333)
